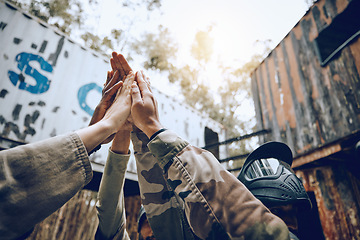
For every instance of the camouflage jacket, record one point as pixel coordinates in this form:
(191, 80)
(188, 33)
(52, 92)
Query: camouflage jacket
(187, 194)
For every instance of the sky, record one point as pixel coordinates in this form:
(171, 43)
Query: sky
(237, 25)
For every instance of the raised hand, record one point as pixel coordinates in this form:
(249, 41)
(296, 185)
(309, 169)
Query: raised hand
(119, 63)
(109, 91)
(119, 111)
(144, 106)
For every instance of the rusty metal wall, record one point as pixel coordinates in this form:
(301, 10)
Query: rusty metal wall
(337, 195)
(305, 104)
(77, 219)
(313, 105)
(49, 85)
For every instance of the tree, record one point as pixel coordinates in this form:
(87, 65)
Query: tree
(157, 48)
(64, 14)
(69, 15)
(202, 48)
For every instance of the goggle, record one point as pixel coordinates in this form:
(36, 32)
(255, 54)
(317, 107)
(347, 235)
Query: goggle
(260, 168)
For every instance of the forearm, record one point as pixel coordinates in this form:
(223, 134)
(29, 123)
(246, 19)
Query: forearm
(39, 178)
(93, 135)
(110, 204)
(121, 142)
(216, 202)
(164, 210)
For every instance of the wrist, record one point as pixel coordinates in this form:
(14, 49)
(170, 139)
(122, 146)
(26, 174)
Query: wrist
(107, 127)
(121, 142)
(150, 130)
(157, 133)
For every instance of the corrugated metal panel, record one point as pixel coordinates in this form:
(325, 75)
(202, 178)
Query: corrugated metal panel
(50, 85)
(314, 106)
(307, 105)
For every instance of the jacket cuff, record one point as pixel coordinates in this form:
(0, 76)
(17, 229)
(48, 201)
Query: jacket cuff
(83, 156)
(165, 146)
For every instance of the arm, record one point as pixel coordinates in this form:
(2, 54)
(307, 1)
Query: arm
(164, 210)
(110, 205)
(217, 205)
(38, 178)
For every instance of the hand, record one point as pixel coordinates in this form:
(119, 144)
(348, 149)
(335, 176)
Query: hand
(119, 112)
(111, 87)
(119, 63)
(144, 106)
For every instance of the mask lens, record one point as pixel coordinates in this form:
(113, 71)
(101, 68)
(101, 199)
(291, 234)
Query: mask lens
(262, 168)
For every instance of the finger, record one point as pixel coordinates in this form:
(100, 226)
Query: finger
(125, 68)
(147, 80)
(124, 64)
(142, 84)
(113, 90)
(112, 63)
(127, 83)
(117, 62)
(135, 94)
(129, 79)
(113, 80)
(108, 77)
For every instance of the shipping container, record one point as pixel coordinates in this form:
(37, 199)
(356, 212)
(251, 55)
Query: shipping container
(50, 85)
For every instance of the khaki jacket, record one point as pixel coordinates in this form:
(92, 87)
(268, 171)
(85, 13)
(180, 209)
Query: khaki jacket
(37, 179)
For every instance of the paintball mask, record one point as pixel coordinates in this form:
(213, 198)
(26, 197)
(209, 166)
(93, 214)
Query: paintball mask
(268, 176)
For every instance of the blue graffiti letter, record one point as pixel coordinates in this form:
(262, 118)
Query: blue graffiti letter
(42, 82)
(83, 92)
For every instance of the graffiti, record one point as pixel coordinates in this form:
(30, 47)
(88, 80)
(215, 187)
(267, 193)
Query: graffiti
(3, 93)
(42, 83)
(29, 120)
(2, 25)
(54, 56)
(82, 94)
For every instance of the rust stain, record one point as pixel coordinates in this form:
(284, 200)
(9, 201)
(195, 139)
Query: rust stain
(297, 31)
(274, 81)
(325, 72)
(319, 131)
(264, 79)
(354, 48)
(341, 5)
(335, 200)
(315, 91)
(294, 69)
(315, 155)
(261, 98)
(313, 30)
(288, 105)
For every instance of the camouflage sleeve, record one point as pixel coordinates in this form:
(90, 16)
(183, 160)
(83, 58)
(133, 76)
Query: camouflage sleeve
(163, 209)
(217, 205)
(110, 204)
